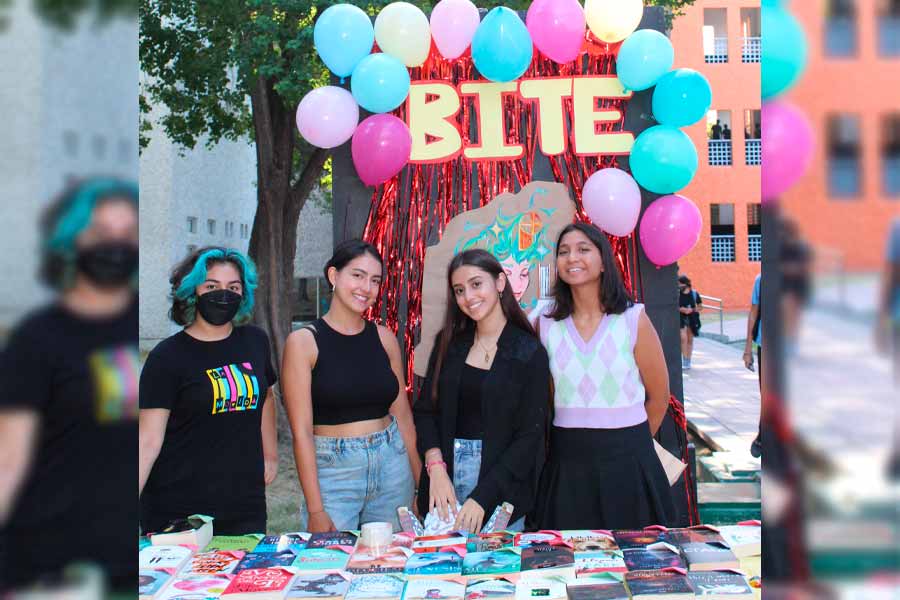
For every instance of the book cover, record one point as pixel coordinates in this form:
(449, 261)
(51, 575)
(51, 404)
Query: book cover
(321, 559)
(593, 590)
(693, 535)
(544, 588)
(538, 537)
(645, 559)
(260, 582)
(433, 589)
(294, 541)
(541, 560)
(495, 588)
(485, 542)
(433, 543)
(587, 563)
(151, 581)
(744, 540)
(331, 538)
(195, 587)
(245, 543)
(375, 587)
(725, 584)
(589, 540)
(495, 562)
(195, 530)
(639, 539)
(217, 562)
(143, 542)
(364, 560)
(708, 556)
(433, 564)
(266, 560)
(170, 558)
(269, 544)
(332, 586)
(655, 584)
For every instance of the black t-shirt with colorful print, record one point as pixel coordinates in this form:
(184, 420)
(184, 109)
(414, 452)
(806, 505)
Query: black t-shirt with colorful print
(211, 461)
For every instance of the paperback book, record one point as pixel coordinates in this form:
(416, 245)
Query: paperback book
(744, 540)
(720, 585)
(542, 561)
(484, 542)
(320, 560)
(659, 585)
(151, 582)
(217, 562)
(365, 561)
(259, 584)
(167, 558)
(646, 559)
(433, 565)
(333, 538)
(590, 540)
(324, 586)
(193, 587)
(375, 587)
(433, 589)
(266, 560)
(588, 563)
(196, 531)
(494, 588)
(244, 543)
(544, 588)
(489, 564)
(588, 589)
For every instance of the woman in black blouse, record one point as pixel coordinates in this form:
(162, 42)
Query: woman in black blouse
(482, 412)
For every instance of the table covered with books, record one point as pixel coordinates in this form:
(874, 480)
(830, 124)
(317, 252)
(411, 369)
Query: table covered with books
(707, 561)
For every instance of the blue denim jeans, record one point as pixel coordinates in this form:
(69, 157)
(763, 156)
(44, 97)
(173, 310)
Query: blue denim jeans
(363, 479)
(466, 465)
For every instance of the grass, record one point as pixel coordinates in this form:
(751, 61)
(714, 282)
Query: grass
(284, 497)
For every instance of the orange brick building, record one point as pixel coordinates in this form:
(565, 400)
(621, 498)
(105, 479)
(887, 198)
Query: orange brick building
(721, 39)
(846, 201)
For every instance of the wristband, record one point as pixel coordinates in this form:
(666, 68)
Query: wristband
(431, 464)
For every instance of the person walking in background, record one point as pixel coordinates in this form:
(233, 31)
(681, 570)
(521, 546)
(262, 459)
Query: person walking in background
(754, 336)
(690, 305)
(888, 333)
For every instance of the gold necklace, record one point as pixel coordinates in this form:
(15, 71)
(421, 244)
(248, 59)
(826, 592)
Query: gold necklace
(487, 351)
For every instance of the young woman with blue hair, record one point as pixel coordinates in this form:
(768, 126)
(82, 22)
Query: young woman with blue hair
(207, 421)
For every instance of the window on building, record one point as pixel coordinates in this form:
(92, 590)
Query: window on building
(192, 224)
(70, 143)
(844, 164)
(751, 37)
(754, 233)
(890, 156)
(99, 147)
(127, 151)
(721, 219)
(889, 28)
(719, 132)
(191, 249)
(715, 35)
(211, 226)
(840, 28)
(752, 137)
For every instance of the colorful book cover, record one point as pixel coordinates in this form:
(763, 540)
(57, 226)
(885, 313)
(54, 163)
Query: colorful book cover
(541, 557)
(321, 559)
(433, 589)
(485, 542)
(269, 544)
(695, 535)
(364, 561)
(332, 538)
(169, 558)
(650, 584)
(375, 587)
(720, 583)
(587, 563)
(587, 589)
(639, 539)
(251, 581)
(538, 537)
(150, 581)
(196, 587)
(217, 562)
(544, 588)
(645, 559)
(143, 542)
(279, 543)
(266, 560)
(245, 543)
(589, 540)
(433, 564)
(319, 585)
(433, 543)
(708, 556)
(495, 588)
(744, 540)
(495, 562)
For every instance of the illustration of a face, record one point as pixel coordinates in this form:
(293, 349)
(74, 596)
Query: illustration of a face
(518, 274)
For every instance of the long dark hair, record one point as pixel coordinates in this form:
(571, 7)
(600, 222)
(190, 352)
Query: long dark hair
(347, 251)
(614, 298)
(456, 323)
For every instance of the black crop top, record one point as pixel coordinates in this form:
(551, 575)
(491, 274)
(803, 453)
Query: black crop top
(352, 380)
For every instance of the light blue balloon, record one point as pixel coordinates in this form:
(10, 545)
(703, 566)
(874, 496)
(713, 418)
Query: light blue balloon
(502, 47)
(343, 36)
(784, 51)
(644, 57)
(663, 159)
(380, 83)
(681, 98)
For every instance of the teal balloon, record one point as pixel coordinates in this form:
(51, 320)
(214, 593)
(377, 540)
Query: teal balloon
(343, 36)
(380, 83)
(663, 159)
(502, 47)
(784, 51)
(644, 57)
(681, 98)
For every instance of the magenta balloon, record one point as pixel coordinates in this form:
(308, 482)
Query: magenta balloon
(453, 24)
(612, 199)
(670, 227)
(327, 116)
(787, 146)
(381, 148)
(557, 28)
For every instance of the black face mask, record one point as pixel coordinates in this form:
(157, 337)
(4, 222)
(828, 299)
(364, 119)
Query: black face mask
(109, 264)
(219, 306)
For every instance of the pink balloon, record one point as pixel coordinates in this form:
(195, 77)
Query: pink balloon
(327, 116)
(381, 147)
(669, 229)
(453, 23)
(787, 145)
(557, 28)
(612, 199)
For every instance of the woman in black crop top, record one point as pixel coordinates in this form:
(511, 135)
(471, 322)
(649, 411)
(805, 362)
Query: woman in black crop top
(346, 402)
(482, 412)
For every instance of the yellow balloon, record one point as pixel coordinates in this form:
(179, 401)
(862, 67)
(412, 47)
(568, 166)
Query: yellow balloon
(613, 20)
(402, 31)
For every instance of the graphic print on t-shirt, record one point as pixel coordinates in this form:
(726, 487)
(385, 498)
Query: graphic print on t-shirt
(115, 372)
(234, 388)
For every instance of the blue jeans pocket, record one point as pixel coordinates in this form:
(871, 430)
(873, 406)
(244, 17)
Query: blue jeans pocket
(466, 467)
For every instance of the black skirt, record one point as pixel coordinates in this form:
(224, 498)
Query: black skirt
(603, 479)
